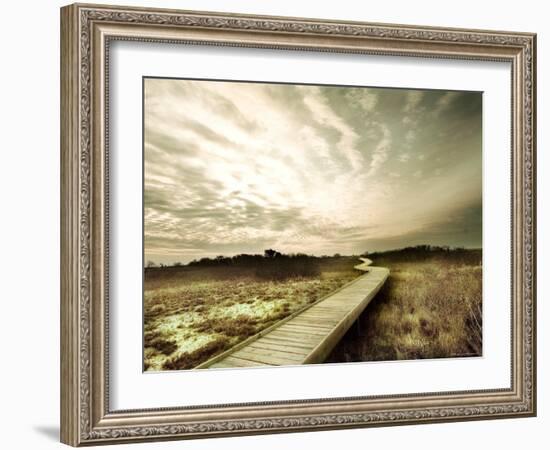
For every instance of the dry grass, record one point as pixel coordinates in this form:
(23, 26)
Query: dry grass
(192, 315)
(431, 308)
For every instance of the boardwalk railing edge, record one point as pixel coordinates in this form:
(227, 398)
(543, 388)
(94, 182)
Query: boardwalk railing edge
(325, 347)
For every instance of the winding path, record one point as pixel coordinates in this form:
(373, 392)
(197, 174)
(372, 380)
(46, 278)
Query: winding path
(307, 336)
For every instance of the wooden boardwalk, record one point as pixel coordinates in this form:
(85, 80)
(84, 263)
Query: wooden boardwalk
(307, 336)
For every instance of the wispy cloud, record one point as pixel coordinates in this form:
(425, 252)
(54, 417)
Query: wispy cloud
(381, 151)
(444, 102)
(413, 98)
(237, 167)
(362, 99)
(325, 116)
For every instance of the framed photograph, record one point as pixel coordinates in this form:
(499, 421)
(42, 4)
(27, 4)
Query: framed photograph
(277, 224)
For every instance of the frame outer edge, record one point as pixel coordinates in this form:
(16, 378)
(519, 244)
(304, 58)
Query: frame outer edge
(533, 229)
(79, 391)
(535, 160)
(70, 299)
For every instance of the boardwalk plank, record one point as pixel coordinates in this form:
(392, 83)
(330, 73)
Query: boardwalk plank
(305, 337)
(261, 354)
(232, 361)
(272, 358)
(310, 323)
(263, 345)
(282, 342)
(305, 330)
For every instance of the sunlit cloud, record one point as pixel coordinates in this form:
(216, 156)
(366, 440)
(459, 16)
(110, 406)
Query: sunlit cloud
(233, 167)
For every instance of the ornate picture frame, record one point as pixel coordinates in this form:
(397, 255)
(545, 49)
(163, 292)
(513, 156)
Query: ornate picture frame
(87, 32)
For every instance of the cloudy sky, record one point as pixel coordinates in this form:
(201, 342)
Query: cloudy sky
(235, 167)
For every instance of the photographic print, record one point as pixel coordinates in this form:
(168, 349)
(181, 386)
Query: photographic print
(289, 224)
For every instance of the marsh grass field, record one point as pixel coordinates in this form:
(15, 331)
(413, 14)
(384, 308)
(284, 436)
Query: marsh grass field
(430, 307)
(194, 313)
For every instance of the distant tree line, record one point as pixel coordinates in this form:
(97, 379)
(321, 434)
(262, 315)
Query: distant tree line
(422, 248)
(242, 260)
(274, 258)
(419, 252)
(271, 265)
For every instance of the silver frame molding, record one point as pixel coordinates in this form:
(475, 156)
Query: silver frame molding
(86, 31)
